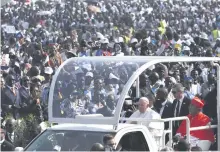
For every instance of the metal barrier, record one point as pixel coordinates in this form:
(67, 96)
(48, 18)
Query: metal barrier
(170, 130)
(203, 127)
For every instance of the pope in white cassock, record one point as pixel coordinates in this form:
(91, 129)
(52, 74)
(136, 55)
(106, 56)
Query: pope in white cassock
(144, 111)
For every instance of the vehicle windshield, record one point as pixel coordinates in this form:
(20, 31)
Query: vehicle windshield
(66, 140)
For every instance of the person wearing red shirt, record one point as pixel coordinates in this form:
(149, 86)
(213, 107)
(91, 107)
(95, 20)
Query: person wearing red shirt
(197, 119)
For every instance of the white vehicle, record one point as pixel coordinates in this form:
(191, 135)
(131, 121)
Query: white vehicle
(79, 127)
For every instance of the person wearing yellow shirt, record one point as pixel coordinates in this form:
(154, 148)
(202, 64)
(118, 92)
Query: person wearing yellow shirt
(162, 27)
(216, 34)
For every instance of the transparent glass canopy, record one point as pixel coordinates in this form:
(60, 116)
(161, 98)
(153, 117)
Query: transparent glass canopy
(82, 87)
(92, 90)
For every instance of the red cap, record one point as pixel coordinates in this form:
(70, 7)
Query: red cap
(197, 102)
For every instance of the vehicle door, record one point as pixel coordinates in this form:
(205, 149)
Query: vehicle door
(135, 140)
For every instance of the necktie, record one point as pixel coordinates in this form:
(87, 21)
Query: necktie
(177, 108)
(177, 113)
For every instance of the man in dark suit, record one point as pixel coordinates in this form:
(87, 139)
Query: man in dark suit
(5, 145)
(162, 106)
(10, 135)
(210, 103)
(180, 104)
(10, 98)
(25, 96)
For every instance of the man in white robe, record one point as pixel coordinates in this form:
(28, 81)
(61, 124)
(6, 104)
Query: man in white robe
(144, 111)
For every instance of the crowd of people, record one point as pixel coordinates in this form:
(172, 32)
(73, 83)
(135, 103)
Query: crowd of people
(37, 37)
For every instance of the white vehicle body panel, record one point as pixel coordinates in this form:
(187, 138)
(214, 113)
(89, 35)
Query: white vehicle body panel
(121, 130)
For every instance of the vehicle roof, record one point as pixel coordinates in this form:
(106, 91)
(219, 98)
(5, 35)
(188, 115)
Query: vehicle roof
(95, 128)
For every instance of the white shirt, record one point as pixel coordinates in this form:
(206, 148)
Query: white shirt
(11, 136)
(195, 89)
(181, 101)
(204, 74)
(2, 141)
(170, 97)
(163, 106)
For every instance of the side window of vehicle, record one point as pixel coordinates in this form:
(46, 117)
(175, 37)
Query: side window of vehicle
(133, 141)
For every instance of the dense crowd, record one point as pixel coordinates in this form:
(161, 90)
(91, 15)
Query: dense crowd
(37, 37)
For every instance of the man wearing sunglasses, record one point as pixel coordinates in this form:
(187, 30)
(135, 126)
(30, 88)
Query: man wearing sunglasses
(5, 145)
(109, 142)
(180, 104)
(10, 135)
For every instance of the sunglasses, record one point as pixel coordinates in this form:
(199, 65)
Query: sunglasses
(9, 125)
(111, 145)
(174, 92)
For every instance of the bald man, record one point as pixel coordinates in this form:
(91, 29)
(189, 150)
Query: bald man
(145, 112)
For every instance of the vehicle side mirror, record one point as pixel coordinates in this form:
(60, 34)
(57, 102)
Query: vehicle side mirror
(19, 149)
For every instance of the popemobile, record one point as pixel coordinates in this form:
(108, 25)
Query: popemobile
(86, 102)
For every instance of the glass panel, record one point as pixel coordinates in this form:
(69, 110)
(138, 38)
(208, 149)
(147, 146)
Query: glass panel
(85, 87)
(66, 140)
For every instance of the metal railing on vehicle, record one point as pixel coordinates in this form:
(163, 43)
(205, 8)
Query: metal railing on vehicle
(170, 130)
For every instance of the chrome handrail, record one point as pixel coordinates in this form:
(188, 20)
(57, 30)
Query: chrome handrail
(170, 130)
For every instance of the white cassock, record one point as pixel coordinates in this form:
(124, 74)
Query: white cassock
(156, 128)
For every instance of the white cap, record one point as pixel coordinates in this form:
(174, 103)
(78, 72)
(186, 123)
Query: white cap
(133, 14)
(134, 40)
(87, 67)
(188, 42)
(186, 48)
(17, 64)
(173, 80)
(12, 51)
(196, 26)
(28, 39)
(186, 36)
(48, 70)
(119, 40)
(151, 67)
(112, 76)
(204, 36)
(104, 41)
(99, 35)
(89, 74)
(38, 26)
